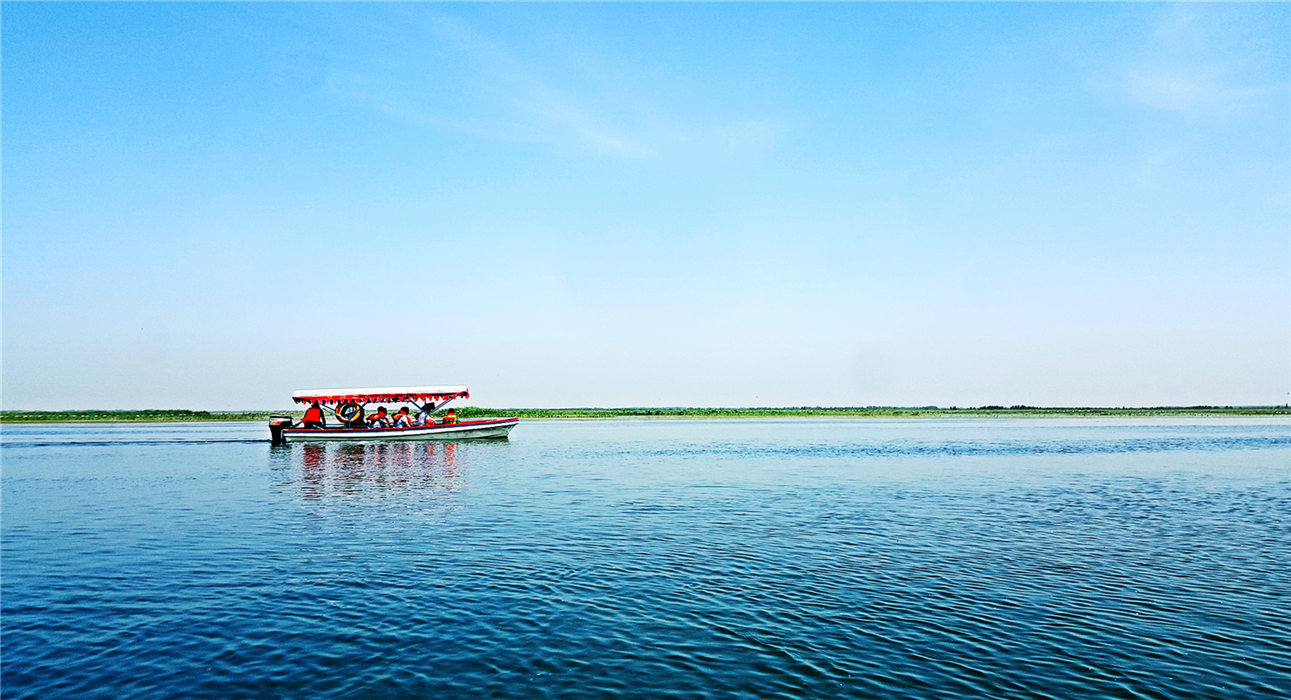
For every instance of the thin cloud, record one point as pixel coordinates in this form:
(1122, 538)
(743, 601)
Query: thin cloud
(492, 95)
(1183, 67)
(1197, 91)
(524, 105)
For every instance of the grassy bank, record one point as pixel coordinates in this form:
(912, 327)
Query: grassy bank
(146, 416)
(182, 415)
(867, 412)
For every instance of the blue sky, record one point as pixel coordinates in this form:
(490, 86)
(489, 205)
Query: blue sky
(212, 205)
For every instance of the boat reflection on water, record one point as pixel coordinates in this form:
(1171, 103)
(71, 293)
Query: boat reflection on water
(350, 468)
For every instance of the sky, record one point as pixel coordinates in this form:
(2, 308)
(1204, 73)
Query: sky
(212, 205)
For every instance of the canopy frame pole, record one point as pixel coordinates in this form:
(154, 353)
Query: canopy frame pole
(435, 407)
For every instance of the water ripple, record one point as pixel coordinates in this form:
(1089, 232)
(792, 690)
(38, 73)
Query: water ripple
(1018, 559)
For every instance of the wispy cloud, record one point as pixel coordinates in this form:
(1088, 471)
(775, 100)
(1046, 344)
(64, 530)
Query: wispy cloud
(1183, 67)
(563, 123)
(543, 111)
(498, 95)
(1198, 90)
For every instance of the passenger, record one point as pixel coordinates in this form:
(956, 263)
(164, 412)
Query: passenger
(380, 419)
(450, 417)
(424, 418)
(402, 419)
(314, 417)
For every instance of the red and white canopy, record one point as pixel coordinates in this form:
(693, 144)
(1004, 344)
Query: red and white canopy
(380, 394)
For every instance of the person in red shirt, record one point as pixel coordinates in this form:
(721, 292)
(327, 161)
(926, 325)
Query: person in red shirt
(451, 416)
(314, 417)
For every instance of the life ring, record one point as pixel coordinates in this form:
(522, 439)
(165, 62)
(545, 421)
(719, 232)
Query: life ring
(347, 412)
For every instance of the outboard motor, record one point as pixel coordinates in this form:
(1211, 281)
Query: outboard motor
(276, 426)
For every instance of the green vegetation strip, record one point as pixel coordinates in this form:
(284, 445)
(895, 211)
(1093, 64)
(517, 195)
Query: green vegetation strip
(147, 416)
(467, 412)
(865, 412)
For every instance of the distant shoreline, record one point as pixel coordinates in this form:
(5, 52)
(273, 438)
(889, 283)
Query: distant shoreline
(183, 415)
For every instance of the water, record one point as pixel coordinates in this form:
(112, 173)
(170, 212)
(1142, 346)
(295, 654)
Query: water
(777, 558)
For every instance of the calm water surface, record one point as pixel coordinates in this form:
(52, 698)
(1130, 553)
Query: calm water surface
(790, 558)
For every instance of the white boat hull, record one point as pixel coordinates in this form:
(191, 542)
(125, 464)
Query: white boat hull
(464, 430)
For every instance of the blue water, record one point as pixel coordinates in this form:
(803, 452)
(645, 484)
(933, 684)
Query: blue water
(724, 559)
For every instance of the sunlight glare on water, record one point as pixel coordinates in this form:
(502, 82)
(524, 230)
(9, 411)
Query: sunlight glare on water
(752, 558)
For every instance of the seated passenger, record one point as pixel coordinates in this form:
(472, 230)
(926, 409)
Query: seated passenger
(424, 418)
(379, 419)
(402, 419)
(314, 417)
(450, 417)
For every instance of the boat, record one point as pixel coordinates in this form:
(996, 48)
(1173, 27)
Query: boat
(348, 407)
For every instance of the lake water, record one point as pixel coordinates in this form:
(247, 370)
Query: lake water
(726, 559)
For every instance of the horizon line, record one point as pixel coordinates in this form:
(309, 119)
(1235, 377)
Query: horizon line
(871, 407)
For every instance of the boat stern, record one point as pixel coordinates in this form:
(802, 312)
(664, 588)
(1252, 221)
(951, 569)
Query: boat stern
(276, 425)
